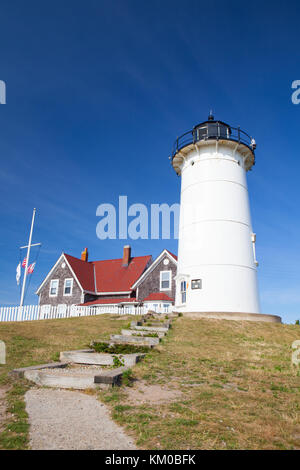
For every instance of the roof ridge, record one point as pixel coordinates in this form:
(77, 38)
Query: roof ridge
(120, 259)
(105, 260)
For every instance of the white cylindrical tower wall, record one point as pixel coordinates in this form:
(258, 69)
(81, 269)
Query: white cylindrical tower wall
(215, 232)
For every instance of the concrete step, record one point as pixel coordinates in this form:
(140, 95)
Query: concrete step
(149, 328)
(76, 378)
(142, 333)
(158, 324)
(136, 340)
(153, 324)
(159, 321)
(20, 373)
(160, 316)
(89, 356)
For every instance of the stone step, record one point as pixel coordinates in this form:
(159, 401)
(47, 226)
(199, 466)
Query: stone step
(153, 324)
(160, 316)
(136, 340)
(51, 365)
(158, 324)
(89, 356)
(76, 378)
(149, 328)
(142, 333)
(110, 378)
(160, 320)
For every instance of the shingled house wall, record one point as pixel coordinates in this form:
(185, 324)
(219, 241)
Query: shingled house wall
(61, 273)
(151, 283)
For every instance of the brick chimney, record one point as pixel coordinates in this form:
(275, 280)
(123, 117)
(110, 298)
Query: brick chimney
(126, 255)
(85, 255)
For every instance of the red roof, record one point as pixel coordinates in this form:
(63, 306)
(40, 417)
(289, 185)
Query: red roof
(158, 296)
(172, 254)
(110, 300)
(112, 276)
(84, 272)
(109, 275)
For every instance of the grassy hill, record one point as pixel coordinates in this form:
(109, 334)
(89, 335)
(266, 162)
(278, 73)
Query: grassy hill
(239, 390)
(218, 384)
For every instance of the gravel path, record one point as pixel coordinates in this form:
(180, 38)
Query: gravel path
(63, 419)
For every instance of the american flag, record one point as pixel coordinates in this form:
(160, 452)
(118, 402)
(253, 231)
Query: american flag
(24, 263)
(31, 268)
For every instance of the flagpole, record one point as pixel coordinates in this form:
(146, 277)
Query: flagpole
(27, 259)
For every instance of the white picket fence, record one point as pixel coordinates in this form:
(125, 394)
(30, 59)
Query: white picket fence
(44, 312)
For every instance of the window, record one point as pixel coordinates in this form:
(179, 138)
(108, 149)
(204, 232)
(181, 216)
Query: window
(53, 288)
(196, 284)
(183, 291)
(165, 280)
(68, 286)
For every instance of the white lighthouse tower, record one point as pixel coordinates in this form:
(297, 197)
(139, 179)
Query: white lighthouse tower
(217, 267)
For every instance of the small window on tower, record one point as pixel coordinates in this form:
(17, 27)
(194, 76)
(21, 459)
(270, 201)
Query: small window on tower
(196, 284)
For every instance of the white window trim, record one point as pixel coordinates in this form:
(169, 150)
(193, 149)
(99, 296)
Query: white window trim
(71, 292)
(170, 280)
(54, 295)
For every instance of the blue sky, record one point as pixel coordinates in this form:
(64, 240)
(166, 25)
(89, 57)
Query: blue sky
(98, 91)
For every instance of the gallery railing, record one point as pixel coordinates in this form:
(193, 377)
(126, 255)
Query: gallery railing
(214, 131)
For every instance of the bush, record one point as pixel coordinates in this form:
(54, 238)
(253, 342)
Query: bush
(118, 361)
(119, 348)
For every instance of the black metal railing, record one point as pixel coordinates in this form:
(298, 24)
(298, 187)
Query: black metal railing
(214, 130)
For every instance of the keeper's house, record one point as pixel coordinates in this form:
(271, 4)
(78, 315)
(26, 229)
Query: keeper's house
(123, 283)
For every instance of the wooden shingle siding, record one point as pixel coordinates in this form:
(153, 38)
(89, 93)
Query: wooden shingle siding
(151, 283)
(61, 274)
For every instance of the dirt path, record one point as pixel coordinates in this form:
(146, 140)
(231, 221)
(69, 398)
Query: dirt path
(62, 419)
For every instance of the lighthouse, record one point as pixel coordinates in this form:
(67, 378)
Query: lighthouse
(217, 266)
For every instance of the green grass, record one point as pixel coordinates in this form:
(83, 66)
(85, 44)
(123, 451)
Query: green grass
(15, 433)
(118, 348)
(147, 334)
(239, 390)
(38, 342)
